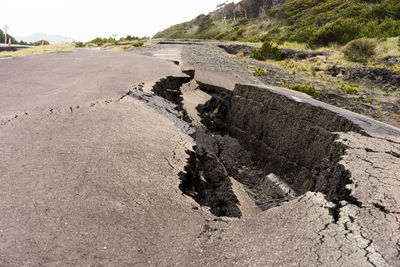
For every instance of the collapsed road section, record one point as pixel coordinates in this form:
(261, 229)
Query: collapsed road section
(291, 140)
(258, 147)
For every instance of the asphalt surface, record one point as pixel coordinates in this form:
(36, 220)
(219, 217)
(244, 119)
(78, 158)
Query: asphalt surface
(69, 79)
(91, 178)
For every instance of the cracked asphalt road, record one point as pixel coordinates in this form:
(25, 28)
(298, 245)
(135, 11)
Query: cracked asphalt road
(69, 79)
(90, 179)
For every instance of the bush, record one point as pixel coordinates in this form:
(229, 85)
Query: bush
(205, 23)
(235, 34)
(340, 31)
(38, 43)
(360, 49)
(268, 51)
(137, 44)
(130, 38)
(398, 43)
(309, 90)
(351, 90)
(258, 55)
(259, 71)
(101, 41)
(79, 44)
(241, 21)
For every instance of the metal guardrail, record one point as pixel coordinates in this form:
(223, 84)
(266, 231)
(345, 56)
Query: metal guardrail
(12, 47)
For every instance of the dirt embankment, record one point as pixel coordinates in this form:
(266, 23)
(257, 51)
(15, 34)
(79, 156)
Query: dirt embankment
(373, 92)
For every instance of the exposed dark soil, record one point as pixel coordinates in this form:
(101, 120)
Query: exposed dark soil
(293, 140)
(173, 93)
(299, 55)
(238, 50)
(247, 51)
(384, 79)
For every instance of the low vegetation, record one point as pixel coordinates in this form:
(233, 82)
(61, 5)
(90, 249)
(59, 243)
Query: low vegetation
(313, 22)
(307, 89)
(259, 71)
(351, 89)
(37, 43)
(61, 48)
(137, 44)
(126, 42)
(268, 51)
(360, 50)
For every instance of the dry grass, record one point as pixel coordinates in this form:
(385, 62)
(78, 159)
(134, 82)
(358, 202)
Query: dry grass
(61, 48)
(294, 45)
(384, 48)
(388, 47)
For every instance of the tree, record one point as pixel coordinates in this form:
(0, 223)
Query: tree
(13, 40)
(252, 7)
(239, 10)
(227, 11)
(262, 11)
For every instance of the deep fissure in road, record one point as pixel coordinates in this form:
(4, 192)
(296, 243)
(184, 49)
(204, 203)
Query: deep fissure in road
(276, 147)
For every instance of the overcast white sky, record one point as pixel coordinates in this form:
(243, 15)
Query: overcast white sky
(84, 20)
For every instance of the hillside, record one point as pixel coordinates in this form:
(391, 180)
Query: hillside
(315, 22)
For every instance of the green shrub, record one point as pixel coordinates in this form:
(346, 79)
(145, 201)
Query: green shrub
(360, 49)
(79, 44)
(309, 90)
(272, 12)
(235, 34)
(398, 43)
(351, 90)
(101, 41)
(242, 21)
(389, 93)
(177, 34)
(205, 23)
(38, 43)
(340, 31)
(268, 51)
(272, 34)
(130, 38)
(258, 55)
(369, 100)
(259, 71)
(137, 44)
